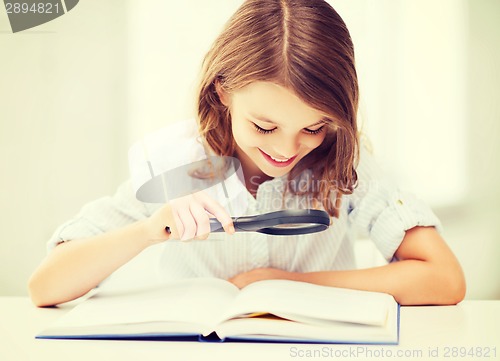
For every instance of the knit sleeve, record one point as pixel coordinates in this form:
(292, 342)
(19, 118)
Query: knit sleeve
(380, 210)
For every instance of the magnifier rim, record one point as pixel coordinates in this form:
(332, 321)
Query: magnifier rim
(314, 221)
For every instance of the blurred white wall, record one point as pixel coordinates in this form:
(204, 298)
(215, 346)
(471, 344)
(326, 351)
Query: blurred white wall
(63, 127)
(76, 92)
(411, 57)
(430, 81)
(165, 49)
(475, 227)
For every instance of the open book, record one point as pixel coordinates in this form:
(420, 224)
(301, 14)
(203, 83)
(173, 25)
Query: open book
(214, 309)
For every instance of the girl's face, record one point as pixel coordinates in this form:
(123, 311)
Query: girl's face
(273, 129)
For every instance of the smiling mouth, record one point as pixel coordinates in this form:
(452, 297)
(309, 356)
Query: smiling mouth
(279, 162)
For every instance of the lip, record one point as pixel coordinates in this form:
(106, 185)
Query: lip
(275, 163)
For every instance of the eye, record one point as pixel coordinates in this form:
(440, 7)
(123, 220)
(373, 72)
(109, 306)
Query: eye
(315, 131)
(262, 130)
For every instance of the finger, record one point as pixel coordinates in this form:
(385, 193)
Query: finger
(177, 228)
(220, 213)
(188, 224)
(201, 218)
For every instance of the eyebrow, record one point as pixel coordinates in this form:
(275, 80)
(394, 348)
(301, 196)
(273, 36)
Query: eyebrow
(265, 120)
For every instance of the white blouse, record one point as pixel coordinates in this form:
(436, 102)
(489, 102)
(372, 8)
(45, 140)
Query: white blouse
(377, 209)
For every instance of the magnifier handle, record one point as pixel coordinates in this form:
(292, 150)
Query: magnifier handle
(215, 225)
(245, 224)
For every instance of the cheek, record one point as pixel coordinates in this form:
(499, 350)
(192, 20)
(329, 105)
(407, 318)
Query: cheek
(254, 140)
(312, 142)
(240, 134)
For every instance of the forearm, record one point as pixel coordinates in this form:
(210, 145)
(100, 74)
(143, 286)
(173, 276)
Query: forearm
(411, 282)
(427, 273)
(74, 268)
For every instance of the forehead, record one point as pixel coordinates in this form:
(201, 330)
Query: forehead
(272, 102)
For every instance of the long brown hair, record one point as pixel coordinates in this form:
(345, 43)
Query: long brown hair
(304, 46)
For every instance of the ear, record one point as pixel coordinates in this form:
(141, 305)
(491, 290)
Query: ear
(224, 96)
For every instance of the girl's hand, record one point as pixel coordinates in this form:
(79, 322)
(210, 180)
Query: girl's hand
(259, 274)
(188, 218)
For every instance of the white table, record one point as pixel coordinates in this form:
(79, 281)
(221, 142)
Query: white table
(426, 333)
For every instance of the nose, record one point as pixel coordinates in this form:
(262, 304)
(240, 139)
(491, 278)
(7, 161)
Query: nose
(289, 147)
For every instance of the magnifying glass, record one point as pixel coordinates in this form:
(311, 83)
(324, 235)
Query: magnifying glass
(280, 223)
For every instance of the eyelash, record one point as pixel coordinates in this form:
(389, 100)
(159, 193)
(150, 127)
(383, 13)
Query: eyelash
(269, 131)
(262, 130)
(316, 131)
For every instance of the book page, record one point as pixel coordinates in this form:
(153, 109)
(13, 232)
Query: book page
(273, 328)
(289, 298)
(197, 301)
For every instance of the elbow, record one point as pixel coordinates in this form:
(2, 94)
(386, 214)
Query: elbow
(457, 290)
(34, 292)
(46, 292)
(440, 287)
(38, 292)
(453, 287)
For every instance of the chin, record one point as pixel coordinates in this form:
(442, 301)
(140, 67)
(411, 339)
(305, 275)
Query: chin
(276, 172)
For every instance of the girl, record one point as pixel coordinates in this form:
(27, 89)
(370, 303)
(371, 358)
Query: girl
(279, 92)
